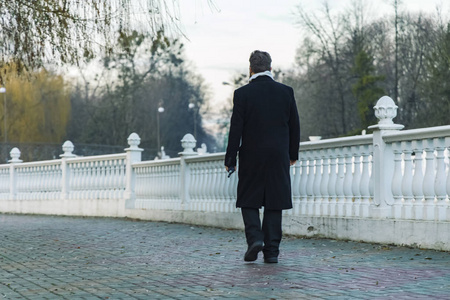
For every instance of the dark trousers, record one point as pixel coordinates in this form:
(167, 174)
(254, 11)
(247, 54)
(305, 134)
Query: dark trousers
(270, 232)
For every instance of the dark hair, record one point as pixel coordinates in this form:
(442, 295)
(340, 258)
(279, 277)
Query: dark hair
(260, 61)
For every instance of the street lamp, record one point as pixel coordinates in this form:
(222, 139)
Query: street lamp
(194, 110)
(3, 91)
(160, 110)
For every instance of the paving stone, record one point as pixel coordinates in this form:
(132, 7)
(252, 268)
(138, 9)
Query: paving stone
(49, 257)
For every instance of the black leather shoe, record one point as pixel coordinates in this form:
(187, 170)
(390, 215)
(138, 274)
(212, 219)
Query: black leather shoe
(271, 260)
(252, 251)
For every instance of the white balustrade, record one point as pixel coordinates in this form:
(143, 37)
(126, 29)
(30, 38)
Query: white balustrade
(97, 177)
(158, 184)
(38, 180)
(332, 178)
(4, 182)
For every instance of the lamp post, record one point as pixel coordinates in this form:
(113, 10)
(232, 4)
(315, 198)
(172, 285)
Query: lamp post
(194, 110)
(3, 91)
(160, 110)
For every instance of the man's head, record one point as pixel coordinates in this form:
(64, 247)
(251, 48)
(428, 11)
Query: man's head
(260, 61)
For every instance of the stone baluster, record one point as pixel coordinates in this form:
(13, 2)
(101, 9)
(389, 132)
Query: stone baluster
(211, 183)
(407, 181)
(113, 181)
(356, 181)
(371, 178)
(164, 183)
(440, 179)
(303, 182)
(108, 180)
(310, 180)
(417, 183)
(348, 178)
(428, 182)
(447, 207)
(218, 193)
(365, 181)
(120, 176)
(233, 186)
(99, 179)
(296, 181)
(88, 173)
(340, 182)
(324, 182)
(205, 185)
(198, 187)
(172, 189)
(332, 182)
(317, 174)
(221, 177)
(296, 189)
(310, 184)
(174, 183)
(397, 180)
(316, 183)
(73, 180)
(193, 185)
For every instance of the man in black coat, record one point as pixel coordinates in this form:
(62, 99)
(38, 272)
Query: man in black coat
(265, 130)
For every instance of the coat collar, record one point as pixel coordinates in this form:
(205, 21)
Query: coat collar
(261, 74)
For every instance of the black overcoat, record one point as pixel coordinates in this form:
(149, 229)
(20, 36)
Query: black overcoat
(265, 130)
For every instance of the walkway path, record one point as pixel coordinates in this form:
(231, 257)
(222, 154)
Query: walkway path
(82, 258)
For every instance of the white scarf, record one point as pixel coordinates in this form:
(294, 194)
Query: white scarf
(265, 73)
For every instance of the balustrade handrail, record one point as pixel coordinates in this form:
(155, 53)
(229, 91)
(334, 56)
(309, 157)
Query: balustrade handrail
(205, 157)
(161, 162)
(38, 163)
(417, 134)
(337, 142)
(96, 158)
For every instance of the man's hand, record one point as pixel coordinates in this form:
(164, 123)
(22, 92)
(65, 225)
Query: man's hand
(293, 162)
(230, 170)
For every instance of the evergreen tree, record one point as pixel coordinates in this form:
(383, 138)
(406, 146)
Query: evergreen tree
(365, 89)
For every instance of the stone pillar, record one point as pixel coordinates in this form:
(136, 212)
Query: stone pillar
(15, 159)
(67, 148)
(188, 143)
(134, 154)
(383, 156)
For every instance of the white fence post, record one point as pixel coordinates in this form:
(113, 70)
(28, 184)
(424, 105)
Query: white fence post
(188, 143)
(134, 154)
(383, 156)
(67, 147)
(15, 155)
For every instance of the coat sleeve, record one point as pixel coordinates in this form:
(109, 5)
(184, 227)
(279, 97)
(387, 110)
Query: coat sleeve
(294, 130)
(236, 128)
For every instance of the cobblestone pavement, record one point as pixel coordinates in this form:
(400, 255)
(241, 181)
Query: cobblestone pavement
(44, 257)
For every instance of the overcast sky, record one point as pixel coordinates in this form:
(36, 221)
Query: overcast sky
(221, 40)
